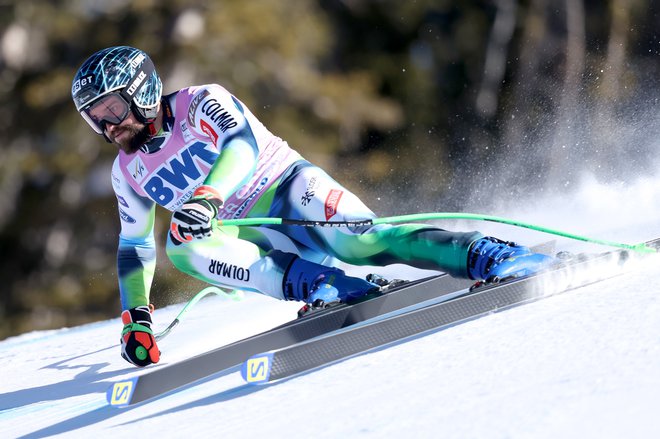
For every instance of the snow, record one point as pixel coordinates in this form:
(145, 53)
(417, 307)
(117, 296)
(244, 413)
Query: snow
(585, 363)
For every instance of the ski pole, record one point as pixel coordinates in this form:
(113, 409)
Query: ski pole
(641, 247)
(199, 296)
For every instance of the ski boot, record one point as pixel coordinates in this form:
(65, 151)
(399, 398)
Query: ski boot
(493, 260)
(321, 286)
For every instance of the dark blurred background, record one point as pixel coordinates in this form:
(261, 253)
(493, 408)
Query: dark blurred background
(426, 105)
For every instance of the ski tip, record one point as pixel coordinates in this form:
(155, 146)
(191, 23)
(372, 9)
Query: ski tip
(256, 370)
(119, 394)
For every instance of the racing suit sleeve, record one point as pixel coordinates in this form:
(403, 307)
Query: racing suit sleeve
(219, 116)
(136, 255)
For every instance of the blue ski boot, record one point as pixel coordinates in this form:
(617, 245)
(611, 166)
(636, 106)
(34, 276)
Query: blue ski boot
(493, 260)
(322, 286)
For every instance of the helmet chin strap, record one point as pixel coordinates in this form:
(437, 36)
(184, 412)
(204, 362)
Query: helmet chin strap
(152, 129)
(147, 119)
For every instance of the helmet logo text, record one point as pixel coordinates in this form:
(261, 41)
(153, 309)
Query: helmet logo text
(135, 62)
(136, 83)
(82, 82)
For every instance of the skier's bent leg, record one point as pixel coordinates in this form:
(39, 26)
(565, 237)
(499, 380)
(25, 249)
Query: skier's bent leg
(265, 261)
(232, 257)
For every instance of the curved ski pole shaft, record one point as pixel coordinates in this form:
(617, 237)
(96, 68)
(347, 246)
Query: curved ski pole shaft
(205, 292)
(640, 248)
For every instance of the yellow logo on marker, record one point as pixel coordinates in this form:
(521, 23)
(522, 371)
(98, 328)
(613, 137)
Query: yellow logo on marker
(121, 393)
(257, 369)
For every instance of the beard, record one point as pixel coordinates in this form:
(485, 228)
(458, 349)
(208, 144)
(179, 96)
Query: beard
(138, 135)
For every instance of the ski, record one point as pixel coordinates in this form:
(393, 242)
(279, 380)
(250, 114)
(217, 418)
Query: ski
(296, 359)
(167, 378)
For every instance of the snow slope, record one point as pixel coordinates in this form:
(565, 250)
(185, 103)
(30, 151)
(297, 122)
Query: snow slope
(579, 365)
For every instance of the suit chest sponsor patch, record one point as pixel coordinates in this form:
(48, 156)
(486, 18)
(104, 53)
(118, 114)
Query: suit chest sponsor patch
(177, 176)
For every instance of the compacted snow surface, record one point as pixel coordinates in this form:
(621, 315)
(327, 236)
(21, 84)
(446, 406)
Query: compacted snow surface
(583, 364)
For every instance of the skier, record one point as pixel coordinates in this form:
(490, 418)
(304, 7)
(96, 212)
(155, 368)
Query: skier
(201, 153)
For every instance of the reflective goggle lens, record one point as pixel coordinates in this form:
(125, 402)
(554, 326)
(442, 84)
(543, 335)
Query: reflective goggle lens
(112, 109)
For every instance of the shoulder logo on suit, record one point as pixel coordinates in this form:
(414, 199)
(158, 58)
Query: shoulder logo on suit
(192, 109)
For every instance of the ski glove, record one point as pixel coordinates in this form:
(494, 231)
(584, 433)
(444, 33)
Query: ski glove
(138, 345)
(194, 218)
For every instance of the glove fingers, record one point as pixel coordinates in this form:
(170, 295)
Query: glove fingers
(202, 232)
(186, 234)
(180, 234)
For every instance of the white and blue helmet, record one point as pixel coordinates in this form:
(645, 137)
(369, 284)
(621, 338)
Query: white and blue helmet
(121, 70)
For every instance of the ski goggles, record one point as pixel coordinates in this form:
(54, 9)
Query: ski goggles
(111, 108)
